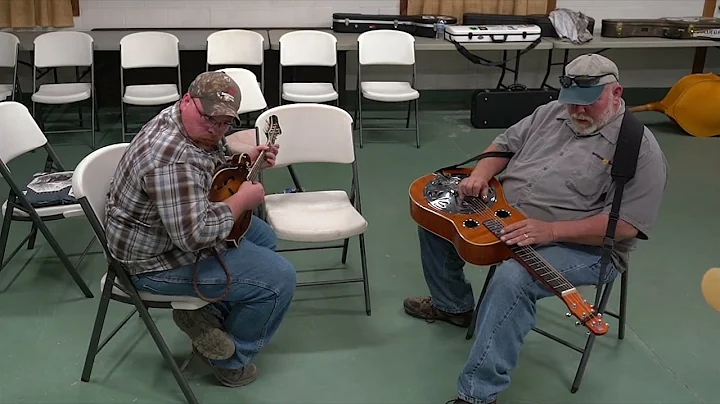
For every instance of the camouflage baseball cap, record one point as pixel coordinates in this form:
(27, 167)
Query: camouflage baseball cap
(218, 93)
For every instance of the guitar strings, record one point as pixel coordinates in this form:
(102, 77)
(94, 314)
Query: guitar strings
(483, 210)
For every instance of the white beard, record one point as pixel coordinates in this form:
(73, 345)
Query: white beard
(585, 125)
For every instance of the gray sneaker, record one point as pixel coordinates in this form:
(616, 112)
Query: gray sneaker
(231, 377)
(206, 333)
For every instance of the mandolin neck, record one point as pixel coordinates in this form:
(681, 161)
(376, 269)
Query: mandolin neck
(530, 259)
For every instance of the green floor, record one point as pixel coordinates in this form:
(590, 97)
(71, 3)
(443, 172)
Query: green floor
(669, 355)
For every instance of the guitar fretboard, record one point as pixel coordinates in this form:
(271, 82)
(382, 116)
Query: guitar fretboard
(530, 257)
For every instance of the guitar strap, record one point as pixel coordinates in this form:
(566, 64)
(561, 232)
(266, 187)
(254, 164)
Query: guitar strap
(623, 170)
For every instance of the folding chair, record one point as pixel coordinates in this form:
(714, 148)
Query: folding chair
(20, 134)
(142, 50)
(252, 98)
(308, 48)
(9, 49)
(584, 351)
(387, 47)
(53, 50)
(237, 47)
(91, 183)
(317, 216)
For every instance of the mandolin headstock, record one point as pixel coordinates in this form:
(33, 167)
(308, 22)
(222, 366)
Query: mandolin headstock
(272, 129)
(585, 313)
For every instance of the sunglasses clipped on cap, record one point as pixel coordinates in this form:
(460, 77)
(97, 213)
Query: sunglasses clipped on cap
(582, 81)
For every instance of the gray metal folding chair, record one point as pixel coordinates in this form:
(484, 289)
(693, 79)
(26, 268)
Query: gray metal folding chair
(20, 134)
(91, 183)
(586, 350)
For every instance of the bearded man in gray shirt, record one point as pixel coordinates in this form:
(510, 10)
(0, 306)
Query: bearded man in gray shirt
(559, 177)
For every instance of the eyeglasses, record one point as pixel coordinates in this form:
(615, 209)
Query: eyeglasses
(582, 81)
(212, 122)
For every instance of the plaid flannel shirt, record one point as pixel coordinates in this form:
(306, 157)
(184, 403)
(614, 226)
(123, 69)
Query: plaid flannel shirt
(158, 215)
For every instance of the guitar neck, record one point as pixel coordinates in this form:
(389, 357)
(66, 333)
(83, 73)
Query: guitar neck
(531, 260)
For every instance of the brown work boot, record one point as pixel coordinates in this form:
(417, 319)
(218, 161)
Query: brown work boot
(421, 307)
(206, 333)
(231, 377)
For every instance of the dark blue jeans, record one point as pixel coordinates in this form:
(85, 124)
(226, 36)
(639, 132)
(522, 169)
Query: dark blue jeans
(263, 284)
(507, 313)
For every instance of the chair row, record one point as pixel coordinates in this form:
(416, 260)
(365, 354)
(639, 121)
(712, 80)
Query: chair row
(233, 47)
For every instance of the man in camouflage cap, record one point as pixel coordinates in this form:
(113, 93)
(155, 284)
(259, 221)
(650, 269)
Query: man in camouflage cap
(159, 221)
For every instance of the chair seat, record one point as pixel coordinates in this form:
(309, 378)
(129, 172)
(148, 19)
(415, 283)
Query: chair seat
(73, 210)
(151, 94)
(388, 91)
(178, 302)
(6, 91)
(309, 92)
(317, 216)
(64, 93)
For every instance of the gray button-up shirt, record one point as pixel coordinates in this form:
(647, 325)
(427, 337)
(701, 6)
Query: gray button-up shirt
(558, 175)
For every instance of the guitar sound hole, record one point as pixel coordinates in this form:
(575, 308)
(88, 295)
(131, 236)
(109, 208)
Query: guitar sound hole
(502, 214)
(470, 223)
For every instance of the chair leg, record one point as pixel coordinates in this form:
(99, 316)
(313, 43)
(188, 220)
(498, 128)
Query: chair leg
(623, 304)
(471, 328)
(417, 123)
(359, 119)
(98, 327)
(407, 120)
(33, 237)
(164, 350)
(61, 254)
(366, 284)
(346, 244)
(123, 123)
(7, 220)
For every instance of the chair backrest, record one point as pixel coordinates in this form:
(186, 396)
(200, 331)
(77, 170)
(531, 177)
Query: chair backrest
(92, 176)
(19, 133)
(235, 47)
(251, 96)
(63, 48)
(8, 49)
(149, 49)
(311, 133)
(386, 47)
(308, 48)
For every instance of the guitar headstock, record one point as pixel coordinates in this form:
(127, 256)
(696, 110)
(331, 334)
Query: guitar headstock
(585, 313)
(272, 129)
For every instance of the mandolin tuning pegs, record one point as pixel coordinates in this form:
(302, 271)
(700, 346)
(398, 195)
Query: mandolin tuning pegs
(568, 315)
(577, 323)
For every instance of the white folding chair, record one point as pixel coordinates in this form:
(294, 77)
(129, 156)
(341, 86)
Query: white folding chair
(317, 216)
(252, 99)
(142, 50)
(308, 48)
(91, 183)
(20, 134)
(387, 47)
(237, 47)
(59, 49)
(9, 49)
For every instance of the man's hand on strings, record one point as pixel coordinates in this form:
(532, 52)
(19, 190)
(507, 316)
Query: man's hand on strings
(528, 232)
(270, 154)
(473, 185)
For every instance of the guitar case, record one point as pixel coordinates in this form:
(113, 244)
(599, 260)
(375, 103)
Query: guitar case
(501, 109)
(422, 25)
(547, 30)
(673, 28)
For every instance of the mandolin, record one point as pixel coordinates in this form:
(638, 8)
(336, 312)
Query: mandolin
(473, 225)
(230, 176)
(693, 103)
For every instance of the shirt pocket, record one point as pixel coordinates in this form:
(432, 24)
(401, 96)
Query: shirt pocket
(591, 179)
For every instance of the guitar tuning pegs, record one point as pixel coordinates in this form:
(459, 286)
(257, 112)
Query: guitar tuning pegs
(607, 325)
(568, 315)
(577, 323)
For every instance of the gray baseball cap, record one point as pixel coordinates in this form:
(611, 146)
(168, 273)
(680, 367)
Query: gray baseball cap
(585, 78)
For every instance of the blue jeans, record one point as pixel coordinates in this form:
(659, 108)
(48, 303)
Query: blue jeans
(507, 312)
(263, 284)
